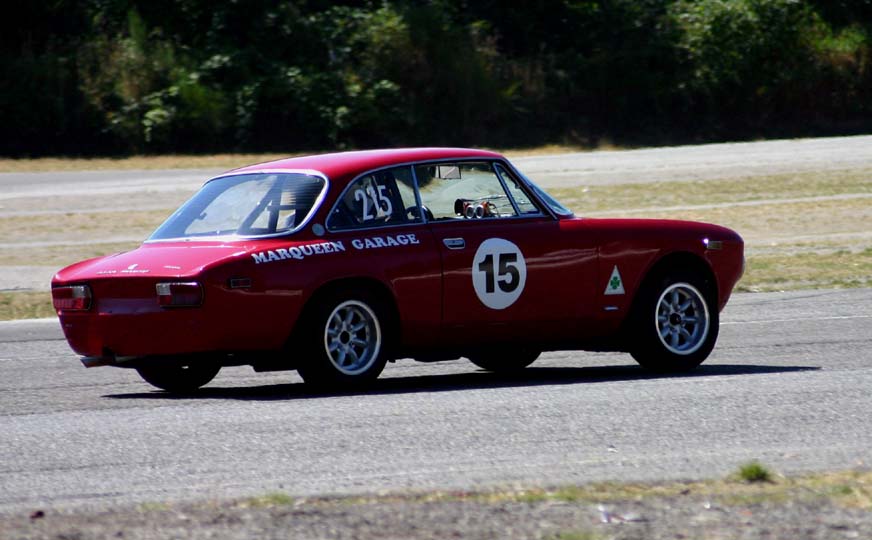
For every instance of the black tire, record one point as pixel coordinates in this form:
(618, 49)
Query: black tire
(345, 341)
(504, 360)
(178, 377)
(674, 323)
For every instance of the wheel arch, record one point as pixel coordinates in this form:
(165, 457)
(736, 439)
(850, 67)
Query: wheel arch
(640, 342)
(372, 286)
(683, 260)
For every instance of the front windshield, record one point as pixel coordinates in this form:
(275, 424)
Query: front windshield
(245, 205)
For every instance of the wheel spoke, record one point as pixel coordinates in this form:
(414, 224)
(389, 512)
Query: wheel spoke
(335, 321)
(673, 339)
(683, 307)
(355, 359)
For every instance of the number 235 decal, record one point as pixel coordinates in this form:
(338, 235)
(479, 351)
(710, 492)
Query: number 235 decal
(499, 273)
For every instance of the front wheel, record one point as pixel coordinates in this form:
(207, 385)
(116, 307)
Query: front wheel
(345, 343)
(180, 377)
(675, 323)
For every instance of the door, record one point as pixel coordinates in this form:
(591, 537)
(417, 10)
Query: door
(509, 272)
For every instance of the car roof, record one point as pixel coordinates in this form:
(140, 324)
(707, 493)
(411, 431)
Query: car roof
(342, 164)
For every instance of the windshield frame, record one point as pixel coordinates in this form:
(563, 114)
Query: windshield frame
(316, 205)
(537, 192)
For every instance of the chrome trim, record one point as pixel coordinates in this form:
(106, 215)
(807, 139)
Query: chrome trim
(542, 204)
(454, 243)
(97, 361)
(713, 245)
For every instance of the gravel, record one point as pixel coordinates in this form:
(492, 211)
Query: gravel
(688, 516)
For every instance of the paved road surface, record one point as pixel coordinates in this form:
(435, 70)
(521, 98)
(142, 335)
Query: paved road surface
(788, 384)
(701, 162)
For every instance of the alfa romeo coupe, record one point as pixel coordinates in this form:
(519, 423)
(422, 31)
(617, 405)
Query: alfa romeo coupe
(335, 264)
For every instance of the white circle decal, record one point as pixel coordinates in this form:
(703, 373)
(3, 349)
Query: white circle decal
(499, 273)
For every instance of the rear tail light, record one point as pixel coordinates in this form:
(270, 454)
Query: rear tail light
(188, 294)
(71, 298)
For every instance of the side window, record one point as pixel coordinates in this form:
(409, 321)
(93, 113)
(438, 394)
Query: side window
(525, 205)
(462, 191)
(378, 199)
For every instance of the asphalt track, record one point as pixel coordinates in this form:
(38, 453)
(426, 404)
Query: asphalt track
(788, 384)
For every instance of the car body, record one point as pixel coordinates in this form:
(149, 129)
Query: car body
(335, 264)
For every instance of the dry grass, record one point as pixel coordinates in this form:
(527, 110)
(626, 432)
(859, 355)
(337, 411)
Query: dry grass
(25, 305)
(851, 489)
(76, 226)
(629, 197)
(784, 222)
(842, 269)
(29, 206)
(797, 235)
(60, 255)
(219, 161)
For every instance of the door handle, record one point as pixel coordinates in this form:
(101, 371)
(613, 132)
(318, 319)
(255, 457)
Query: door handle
(454, 243)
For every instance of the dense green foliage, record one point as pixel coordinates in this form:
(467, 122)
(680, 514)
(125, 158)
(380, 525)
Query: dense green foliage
(120, 76)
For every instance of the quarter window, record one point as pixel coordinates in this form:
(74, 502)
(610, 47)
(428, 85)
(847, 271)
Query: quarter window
(525, 205)
(378, 199)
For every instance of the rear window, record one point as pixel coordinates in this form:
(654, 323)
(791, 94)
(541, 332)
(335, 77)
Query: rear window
(245, 205)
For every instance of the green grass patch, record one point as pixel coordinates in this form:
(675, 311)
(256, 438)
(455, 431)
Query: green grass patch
(25, 305)
(270, 500)
(577, 535)
(754, 471)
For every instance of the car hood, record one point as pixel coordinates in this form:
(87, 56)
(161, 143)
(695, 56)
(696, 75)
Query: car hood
(173, 260)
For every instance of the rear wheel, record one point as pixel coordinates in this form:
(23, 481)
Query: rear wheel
(675, 323)
(180, 377)
(504, 360)
(345, 343)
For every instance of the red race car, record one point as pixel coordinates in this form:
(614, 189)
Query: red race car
(335, 264)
